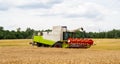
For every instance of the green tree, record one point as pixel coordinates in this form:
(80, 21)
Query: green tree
(29, 32)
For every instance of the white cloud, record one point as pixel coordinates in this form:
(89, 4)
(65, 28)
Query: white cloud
(78, 10)
(90, 14)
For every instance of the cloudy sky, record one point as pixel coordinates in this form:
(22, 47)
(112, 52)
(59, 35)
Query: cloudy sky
(92, 15)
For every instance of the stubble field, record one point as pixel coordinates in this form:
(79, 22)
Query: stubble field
(106, 51)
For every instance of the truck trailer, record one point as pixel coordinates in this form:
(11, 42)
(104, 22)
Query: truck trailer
(60, 37)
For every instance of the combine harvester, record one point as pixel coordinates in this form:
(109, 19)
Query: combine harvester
(60, 37)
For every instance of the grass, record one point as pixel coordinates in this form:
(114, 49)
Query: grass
(107, 44)
(101, 44)
(106, 51)
(15, 42)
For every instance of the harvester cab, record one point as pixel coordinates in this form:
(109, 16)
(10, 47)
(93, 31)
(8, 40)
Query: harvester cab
(61, 37)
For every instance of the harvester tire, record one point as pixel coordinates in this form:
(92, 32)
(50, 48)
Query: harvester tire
(58, 45)
(39, 44)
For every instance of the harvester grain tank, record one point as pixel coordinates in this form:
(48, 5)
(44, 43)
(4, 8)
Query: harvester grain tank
(62, 38)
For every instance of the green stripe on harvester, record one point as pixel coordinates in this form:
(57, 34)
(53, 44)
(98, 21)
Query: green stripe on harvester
(40, 39)
(64, 45)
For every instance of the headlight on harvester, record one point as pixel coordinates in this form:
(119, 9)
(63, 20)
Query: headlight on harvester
(68, 41)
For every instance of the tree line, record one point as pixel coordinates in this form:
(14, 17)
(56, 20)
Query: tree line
(28, 34)
(108, 34)
(18, 34)
(6, 34)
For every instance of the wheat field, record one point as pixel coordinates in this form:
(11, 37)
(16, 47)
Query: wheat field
(105, 51)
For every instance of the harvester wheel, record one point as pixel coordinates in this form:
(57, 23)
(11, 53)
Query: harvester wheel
(58, 45)
(38, 44)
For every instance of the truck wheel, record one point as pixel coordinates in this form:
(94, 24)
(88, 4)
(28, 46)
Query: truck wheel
(58, 45)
